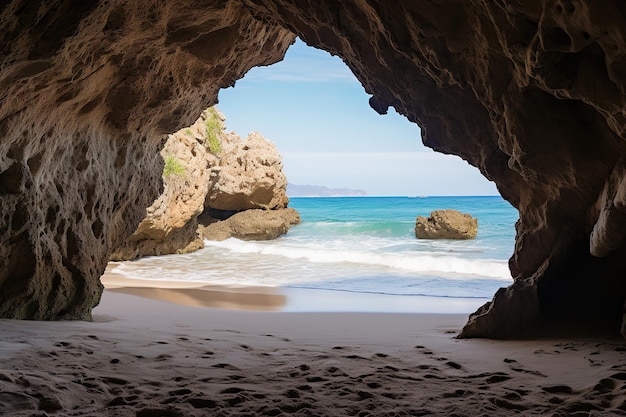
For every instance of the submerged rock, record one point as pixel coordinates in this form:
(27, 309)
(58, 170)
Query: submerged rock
(446, 224)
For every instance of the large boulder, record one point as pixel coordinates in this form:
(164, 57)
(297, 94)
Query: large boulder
(253, 224)
(446, 224)
(247, 196)
(249, 176)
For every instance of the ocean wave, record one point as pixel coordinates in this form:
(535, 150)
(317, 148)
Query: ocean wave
(429, 263)
(370, 227)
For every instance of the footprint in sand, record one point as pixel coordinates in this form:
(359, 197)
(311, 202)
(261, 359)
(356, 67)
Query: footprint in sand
(605, 385)
(558, 389)
(498, 377)
(454, 365)
(226, 366)
(163, 357)
(202, 403)
(459, 393)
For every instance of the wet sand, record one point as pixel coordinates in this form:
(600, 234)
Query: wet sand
(143, 356)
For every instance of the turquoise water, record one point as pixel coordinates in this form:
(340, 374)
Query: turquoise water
(361, 245)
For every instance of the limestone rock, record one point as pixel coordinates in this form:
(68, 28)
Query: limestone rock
(446, 224)
(255, 224)
(170, 225)
(531, 93)
(249, 176)
(239, 173)
(88, 92)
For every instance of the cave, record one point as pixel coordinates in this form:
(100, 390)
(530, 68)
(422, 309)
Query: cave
(530, 93)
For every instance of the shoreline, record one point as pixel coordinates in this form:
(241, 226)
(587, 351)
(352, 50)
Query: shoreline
(284, 299)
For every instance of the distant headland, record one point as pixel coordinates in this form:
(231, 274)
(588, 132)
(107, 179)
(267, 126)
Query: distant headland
(294, 190)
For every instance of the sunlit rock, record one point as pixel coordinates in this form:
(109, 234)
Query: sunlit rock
(171, 222)
(446, 224)
(253, 224)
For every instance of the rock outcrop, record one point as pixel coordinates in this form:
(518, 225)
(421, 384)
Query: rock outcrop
(171, 222)
(210, 172)
(249, 176)
(446, 224)
(253, 224)
(247, 197)
(532, 93)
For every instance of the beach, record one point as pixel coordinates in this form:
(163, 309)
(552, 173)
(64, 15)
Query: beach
(145, 356)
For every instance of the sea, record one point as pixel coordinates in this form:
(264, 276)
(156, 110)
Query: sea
(363, 249)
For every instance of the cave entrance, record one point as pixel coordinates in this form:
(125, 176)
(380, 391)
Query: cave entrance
(317, 113)
(333, 144)
(356, 248)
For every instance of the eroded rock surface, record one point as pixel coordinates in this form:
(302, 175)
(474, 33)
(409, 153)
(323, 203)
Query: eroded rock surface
(530, 92)
(252, 224)
(88, 91)
(209, 171)
(249, 176)
(446, 224)
(171, 222)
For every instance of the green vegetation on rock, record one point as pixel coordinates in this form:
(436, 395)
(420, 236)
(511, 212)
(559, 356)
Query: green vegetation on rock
(173, 167)
(213, 128)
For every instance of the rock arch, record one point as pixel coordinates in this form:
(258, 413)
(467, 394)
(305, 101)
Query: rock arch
(531, 93)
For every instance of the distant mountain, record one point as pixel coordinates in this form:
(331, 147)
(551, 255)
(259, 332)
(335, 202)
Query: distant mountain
(294, 190)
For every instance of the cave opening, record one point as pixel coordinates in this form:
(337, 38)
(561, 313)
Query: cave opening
(537, 108)
(371, 177)
(317, 113)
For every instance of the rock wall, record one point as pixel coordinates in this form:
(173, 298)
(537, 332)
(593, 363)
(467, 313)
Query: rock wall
(88, 92)
(530, 92)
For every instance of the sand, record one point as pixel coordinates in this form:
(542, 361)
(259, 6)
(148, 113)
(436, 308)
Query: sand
(144, 356)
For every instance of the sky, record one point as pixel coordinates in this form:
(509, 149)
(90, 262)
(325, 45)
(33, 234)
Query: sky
(317, 114)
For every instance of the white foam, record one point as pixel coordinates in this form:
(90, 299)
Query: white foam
(423, 262)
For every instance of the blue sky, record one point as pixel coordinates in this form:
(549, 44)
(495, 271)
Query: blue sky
(317, 113)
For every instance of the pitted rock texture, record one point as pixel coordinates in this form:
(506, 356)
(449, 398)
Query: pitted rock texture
(446, 224)
(249, 176)
(171, 222)
(530, 92)
(237, 174)
(88, 92)
(253, 224)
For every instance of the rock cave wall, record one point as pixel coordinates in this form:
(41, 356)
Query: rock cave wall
(89, 91)
(530, 92)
